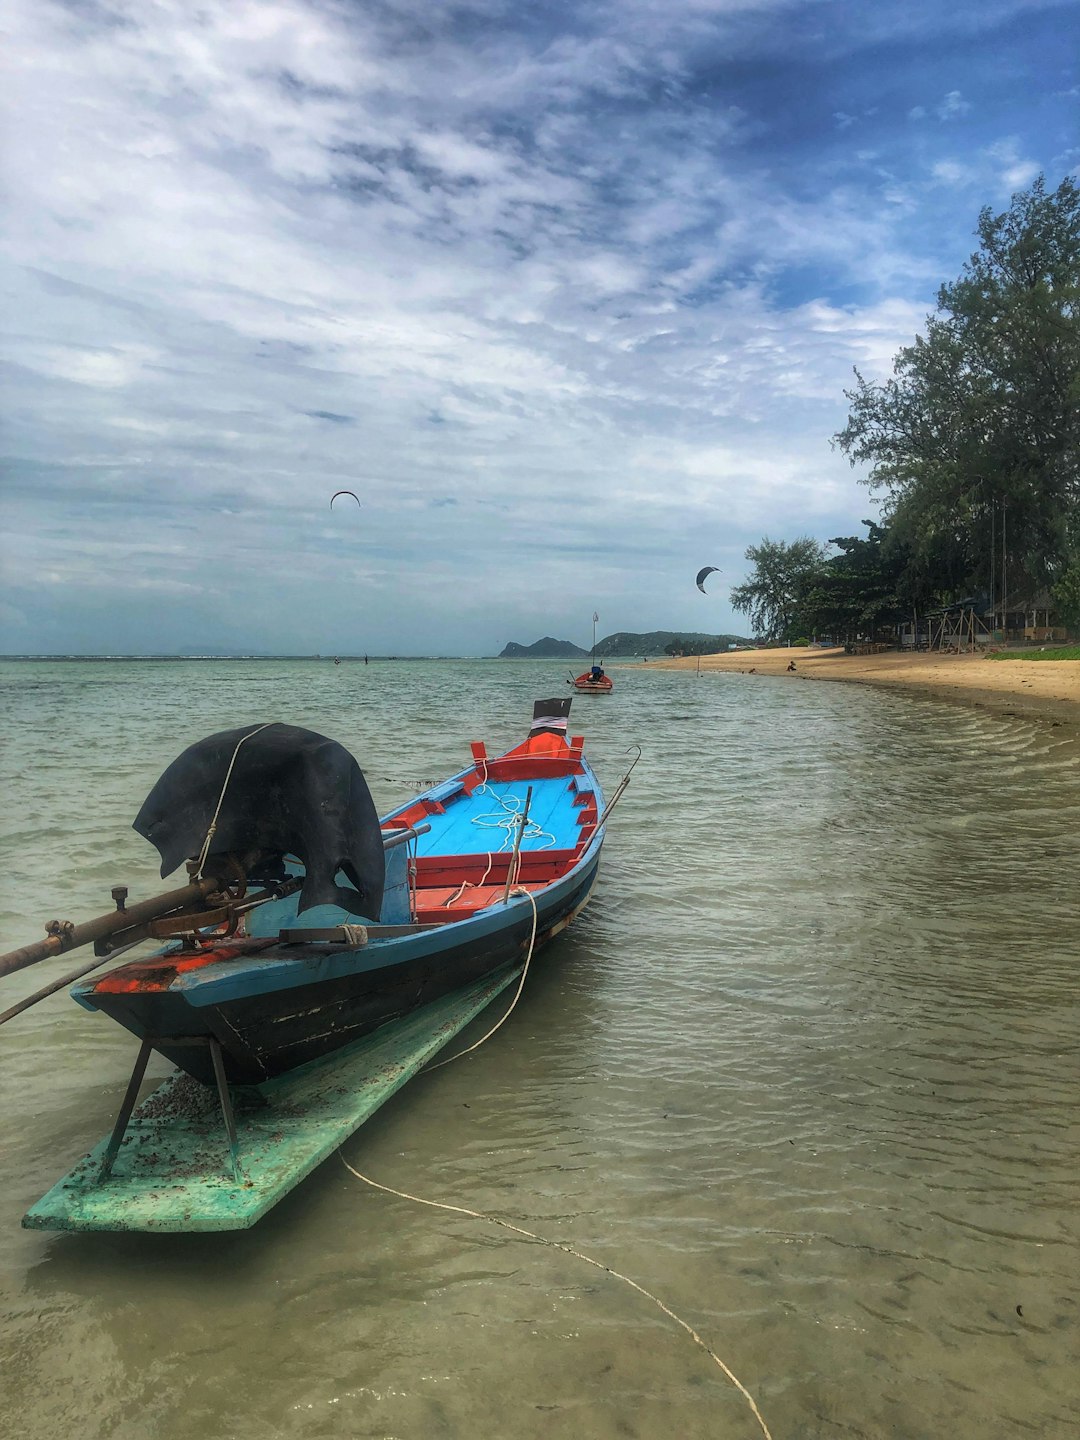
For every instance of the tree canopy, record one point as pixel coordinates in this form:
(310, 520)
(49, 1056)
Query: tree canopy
(858, 589)
(975, 439)
(771, 595)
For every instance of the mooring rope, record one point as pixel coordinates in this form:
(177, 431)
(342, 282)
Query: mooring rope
(520, 890)
(579, 1255)
(543, 1239)
(217, 811)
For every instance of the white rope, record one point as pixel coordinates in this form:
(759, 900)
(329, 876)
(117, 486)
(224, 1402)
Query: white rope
(517, 994)
(579, 1255)
(470, 884)
(228, 776)
(509, 820)
(542, 1239)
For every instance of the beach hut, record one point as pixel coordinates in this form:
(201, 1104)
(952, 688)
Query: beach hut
(1033, 620)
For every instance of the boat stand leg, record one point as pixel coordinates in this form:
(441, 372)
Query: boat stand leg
(126, 1108)
(226, 1108)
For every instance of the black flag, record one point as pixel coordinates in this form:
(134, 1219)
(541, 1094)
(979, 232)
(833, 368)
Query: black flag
(550, 716)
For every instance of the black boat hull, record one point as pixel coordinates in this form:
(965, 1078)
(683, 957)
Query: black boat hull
(262, 1036)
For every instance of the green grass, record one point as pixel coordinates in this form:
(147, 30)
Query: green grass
(1061, 652)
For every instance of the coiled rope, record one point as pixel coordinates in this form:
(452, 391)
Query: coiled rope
(508, 819)
(543, 1239)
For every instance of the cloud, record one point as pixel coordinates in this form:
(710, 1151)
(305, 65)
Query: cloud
(997, 170)
(592, 277)
(952, 106)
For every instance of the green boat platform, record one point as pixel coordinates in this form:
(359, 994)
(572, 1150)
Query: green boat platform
(190, 1159)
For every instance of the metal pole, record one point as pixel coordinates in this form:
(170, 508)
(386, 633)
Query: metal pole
(226, 1107)
(69, 937)
(399, 837)
(68, 979)
(126, 1108)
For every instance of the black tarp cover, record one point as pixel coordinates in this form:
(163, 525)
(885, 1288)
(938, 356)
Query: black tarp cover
(292, 792)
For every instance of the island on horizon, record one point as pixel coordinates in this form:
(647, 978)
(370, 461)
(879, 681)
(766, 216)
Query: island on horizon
(625, 643)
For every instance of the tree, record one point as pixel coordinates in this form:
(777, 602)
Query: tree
(1066, 593)
(860, 588)
(976, 437)
(781, 574)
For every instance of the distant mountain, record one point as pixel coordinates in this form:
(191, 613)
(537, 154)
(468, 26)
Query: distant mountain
(654, 642)
(545, 649)
(622, 642)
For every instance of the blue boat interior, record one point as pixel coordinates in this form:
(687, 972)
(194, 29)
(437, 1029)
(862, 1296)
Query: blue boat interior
(461, 862)
(450, 859)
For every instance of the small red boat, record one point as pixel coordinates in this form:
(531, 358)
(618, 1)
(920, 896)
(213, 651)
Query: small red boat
(594, 682)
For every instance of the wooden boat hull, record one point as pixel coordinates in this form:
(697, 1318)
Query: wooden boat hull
(275, 1000)
(349, 994)
(175, 1171)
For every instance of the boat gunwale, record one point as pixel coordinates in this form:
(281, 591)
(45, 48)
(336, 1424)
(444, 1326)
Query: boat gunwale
(197, 988)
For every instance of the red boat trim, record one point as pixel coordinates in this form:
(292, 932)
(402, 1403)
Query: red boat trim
(159, 971)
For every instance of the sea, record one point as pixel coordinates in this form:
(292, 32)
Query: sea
(806, 1070)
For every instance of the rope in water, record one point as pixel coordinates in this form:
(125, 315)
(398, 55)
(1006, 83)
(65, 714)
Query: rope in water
(580, 1255)
(221, 798)
(543, 1239)
(404, 780)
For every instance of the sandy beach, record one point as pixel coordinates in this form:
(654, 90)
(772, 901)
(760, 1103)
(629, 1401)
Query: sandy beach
(1049, 687)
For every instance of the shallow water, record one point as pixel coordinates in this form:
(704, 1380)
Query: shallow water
(806, 1069)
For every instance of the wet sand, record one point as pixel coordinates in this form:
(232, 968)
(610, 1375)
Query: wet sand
(1047, 687)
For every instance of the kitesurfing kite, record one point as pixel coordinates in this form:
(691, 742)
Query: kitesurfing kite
(344, 492)
(701, 574)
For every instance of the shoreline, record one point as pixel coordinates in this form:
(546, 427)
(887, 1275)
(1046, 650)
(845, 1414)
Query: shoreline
(1047, 688)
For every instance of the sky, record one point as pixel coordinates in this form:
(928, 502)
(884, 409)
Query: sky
(568, 294)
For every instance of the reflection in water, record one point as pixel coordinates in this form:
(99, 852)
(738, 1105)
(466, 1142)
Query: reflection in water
(806, 1069)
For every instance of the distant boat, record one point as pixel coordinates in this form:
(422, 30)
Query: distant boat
(593, 681)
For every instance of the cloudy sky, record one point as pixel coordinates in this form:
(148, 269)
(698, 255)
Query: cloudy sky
(567, 293)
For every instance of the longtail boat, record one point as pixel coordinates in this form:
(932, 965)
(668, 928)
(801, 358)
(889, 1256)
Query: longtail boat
(593, 682)
(366, 935)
